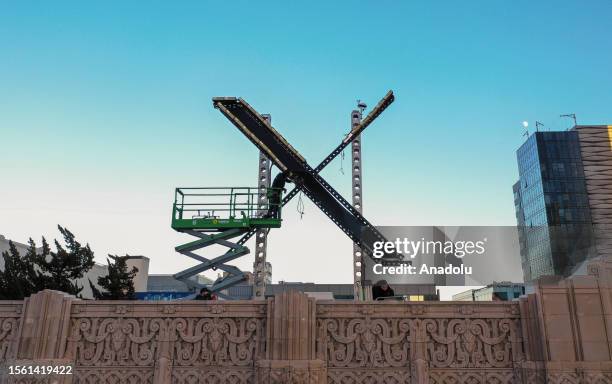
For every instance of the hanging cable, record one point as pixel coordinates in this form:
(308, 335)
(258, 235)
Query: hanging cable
(300, 206)
(342, 162)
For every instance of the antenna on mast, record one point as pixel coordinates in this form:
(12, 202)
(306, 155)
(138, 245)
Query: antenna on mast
(361, 105)
(538, 125)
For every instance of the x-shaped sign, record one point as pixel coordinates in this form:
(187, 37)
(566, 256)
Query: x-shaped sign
(306, 178)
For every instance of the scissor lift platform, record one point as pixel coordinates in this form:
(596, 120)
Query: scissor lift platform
(221, 208)
(215, 216)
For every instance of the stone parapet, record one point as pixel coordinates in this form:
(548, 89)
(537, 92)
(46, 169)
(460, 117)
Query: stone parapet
(562, 333)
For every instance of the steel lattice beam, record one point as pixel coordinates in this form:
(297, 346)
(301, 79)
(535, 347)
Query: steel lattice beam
(261, 243)
(356, 190)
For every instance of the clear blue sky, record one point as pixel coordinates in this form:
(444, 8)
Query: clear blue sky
(105, 107)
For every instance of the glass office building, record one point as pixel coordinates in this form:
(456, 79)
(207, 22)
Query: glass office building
(552, 205)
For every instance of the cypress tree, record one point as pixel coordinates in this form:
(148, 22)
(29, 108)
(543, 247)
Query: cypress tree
(61, 270)
(40, 268)
(118, 284)
(17, 279)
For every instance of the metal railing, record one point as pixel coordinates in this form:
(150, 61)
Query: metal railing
(226, 203)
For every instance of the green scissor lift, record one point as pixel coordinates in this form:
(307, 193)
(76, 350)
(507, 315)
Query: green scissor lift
(215, 216)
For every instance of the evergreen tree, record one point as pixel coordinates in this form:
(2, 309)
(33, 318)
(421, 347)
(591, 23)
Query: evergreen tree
(17, 279)
(33, 258)
(66, 265)
(42, 269)
(119, 283)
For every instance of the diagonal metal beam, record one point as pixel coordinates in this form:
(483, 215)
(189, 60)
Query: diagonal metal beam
(268, 140)
(385, 102)
(382, 105)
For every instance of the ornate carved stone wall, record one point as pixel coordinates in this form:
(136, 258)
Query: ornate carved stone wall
(146, 342)
(10, 321)
(561, 334)
(434, 342)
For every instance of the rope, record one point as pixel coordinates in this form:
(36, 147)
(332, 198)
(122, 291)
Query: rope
(300, 206)
(342, 162)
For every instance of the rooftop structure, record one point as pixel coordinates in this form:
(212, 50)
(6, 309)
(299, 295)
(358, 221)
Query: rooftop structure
(497, 291)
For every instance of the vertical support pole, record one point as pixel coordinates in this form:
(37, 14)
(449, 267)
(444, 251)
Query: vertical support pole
(357, 204)
(261, 236)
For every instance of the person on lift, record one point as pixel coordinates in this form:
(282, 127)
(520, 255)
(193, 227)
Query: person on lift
(275, 194)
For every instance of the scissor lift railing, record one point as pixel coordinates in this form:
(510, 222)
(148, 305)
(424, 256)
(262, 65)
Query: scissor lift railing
(219, 208)
(215, 216)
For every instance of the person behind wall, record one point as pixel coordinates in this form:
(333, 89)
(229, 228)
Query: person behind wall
(205, 294)
(381, 290)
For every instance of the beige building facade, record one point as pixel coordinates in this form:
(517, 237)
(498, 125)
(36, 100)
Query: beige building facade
(560, 334)
(596, 151)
